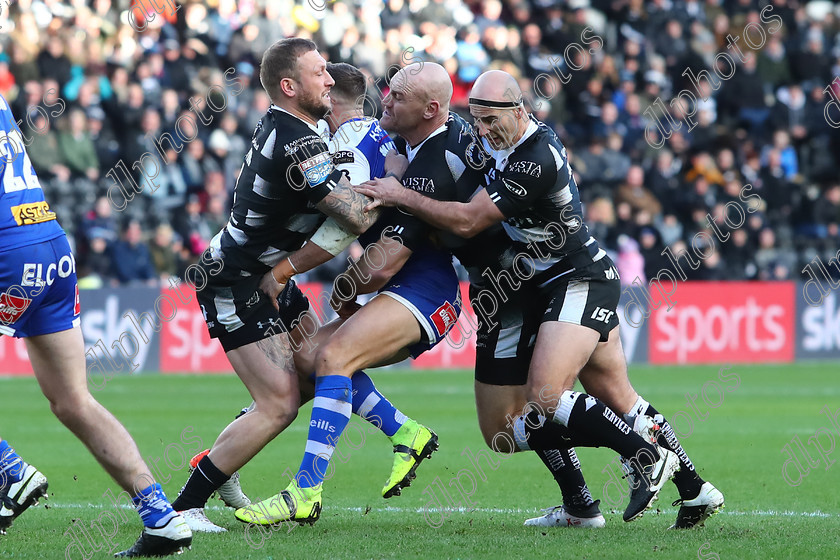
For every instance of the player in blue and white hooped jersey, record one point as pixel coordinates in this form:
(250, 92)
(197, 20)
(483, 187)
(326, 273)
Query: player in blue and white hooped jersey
(39, 301)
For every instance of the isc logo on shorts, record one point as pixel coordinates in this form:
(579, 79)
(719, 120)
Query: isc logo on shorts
(32, 213)
(444, 317)
(601, 314)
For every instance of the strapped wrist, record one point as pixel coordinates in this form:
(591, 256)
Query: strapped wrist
(285, 270)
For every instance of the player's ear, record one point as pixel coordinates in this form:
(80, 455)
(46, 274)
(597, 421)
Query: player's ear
(287, 86)
(432, 109)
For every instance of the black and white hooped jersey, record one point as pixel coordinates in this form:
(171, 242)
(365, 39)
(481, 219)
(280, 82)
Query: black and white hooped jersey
(534, 188)
(449, 165)
(285, 173)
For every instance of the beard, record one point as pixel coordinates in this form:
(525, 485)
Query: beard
(315, 106)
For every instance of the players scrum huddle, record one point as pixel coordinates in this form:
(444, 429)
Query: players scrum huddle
(416, 188)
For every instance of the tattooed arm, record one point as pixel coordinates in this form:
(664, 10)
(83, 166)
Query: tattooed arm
(346, 207)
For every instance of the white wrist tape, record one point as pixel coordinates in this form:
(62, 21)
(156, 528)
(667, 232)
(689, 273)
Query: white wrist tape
(332, 238)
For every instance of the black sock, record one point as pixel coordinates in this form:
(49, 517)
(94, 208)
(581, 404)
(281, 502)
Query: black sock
(589, 418)
(535, 432)
(687, 480)
(204, 480)
(565, 468)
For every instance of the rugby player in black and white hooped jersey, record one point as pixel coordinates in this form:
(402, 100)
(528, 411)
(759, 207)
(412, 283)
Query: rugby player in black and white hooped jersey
(418, 300)
(503, 347)
(287, 188)
(575, 289)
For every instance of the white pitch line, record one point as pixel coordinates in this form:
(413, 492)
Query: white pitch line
(392, 509)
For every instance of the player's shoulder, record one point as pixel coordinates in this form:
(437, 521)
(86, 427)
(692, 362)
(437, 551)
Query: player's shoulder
(281, 130)
(462, 143)
(458, 131)
(401, 145)
(359, 133)
(548, 139)
(540, 152)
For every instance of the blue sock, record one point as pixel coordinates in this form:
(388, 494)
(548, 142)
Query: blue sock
(153, 507)
(330, 414)
(11, 465)
(372, 405)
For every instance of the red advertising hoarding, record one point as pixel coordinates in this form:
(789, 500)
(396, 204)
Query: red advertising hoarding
(732, 322)
(710, 322)
(13, 357)
(185, 344)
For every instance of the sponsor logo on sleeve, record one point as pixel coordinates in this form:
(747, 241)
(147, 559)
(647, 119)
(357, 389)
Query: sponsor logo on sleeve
(514, 187)
(32, 213)
(317, 168)
(343, 156)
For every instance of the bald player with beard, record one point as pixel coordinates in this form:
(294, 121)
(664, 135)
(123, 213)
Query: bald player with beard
(571, 292)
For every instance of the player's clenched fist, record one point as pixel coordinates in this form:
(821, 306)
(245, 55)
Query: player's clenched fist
(395, 163)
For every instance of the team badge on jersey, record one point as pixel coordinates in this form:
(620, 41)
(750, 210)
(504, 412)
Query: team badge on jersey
(317, 168)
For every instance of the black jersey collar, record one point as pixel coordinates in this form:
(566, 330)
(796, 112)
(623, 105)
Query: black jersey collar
(412, 152)
(310, 125)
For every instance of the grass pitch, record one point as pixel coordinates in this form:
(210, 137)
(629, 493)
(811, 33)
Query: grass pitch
(738, 446)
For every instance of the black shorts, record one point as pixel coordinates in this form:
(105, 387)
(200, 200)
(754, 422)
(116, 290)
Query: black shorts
(505, 345)
(588, 297)
(241, 313)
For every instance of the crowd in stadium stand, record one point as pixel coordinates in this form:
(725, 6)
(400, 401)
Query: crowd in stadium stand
(93, 91)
